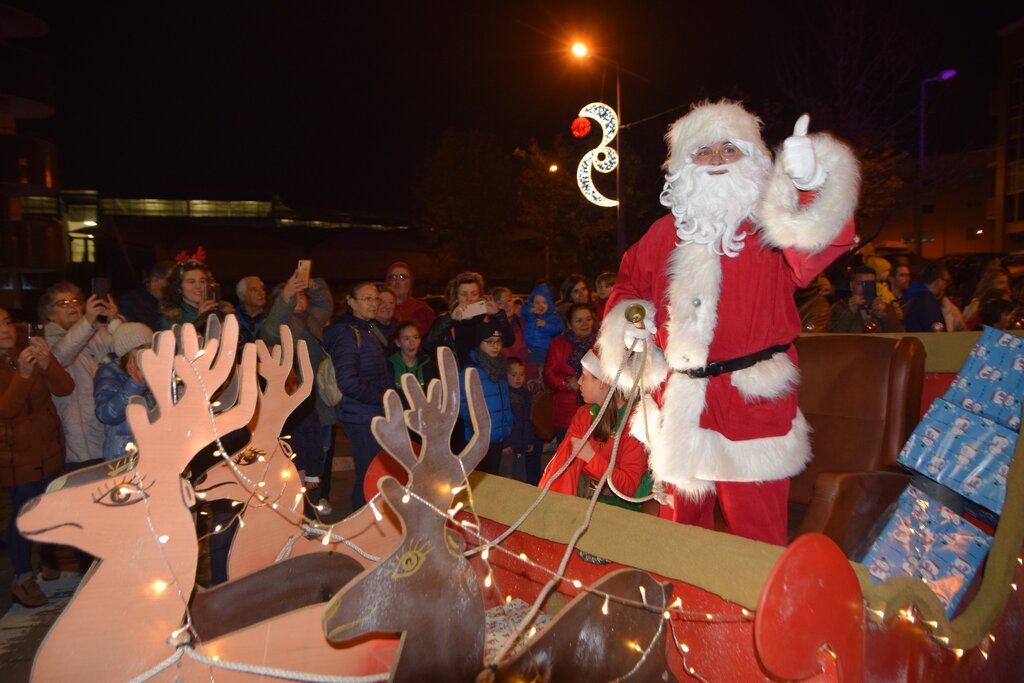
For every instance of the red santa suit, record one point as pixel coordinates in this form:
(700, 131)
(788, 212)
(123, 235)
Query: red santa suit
(739, 435)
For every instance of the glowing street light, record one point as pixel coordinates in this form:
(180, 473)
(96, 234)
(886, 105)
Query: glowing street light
(580, 51)
(553, 168)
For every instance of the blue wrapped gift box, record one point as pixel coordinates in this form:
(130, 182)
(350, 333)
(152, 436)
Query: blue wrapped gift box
(991, 381)
(926, 540)
(963, 451)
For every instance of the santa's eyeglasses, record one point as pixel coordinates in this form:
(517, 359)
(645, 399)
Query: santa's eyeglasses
(726, 151)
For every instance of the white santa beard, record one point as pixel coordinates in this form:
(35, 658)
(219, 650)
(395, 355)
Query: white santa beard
(709, 207)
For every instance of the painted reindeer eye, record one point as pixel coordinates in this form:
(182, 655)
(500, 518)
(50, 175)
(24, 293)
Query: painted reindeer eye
(122, 493)
(248, 456)
(409, 562)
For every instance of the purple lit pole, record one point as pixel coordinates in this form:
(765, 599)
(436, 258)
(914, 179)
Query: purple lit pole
(919, 209)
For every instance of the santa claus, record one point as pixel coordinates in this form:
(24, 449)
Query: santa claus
(716, 278)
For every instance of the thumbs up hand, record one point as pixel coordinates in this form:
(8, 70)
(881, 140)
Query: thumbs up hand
(798, 158)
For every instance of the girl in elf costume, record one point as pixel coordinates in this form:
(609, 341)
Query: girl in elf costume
(630, 475)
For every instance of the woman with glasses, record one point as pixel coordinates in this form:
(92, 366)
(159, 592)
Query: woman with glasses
(363, 377)
(32, 450)
(80, 339)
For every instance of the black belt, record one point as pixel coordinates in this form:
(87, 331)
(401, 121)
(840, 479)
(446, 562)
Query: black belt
(720, 367)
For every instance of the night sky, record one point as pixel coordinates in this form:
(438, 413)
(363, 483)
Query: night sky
(336, 104)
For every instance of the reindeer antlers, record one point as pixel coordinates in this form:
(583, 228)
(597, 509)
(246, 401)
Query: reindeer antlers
(433, 416)
(390, 430)
(201, 372)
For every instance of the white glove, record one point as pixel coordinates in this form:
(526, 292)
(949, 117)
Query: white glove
(632, 333)
(798, 159)
(661, 495)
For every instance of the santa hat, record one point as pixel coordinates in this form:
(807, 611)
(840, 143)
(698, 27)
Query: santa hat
(710, 123)
(592, 364)
(129, 336)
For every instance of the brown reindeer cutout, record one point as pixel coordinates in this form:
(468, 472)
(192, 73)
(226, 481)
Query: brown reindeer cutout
(133, 514)
(273, 513)
(426, 589)
(584, 644)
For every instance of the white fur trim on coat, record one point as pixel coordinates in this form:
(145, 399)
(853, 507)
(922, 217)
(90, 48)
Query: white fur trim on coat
(613, 351)
(692, 459)
(695, 283)
(770, 379)
(812, 227)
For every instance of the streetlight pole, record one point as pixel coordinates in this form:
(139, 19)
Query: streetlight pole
(620, 219)
(919, 204)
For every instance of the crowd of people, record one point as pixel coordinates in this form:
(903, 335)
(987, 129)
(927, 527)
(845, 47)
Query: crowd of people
(894, 295)
(68, 379)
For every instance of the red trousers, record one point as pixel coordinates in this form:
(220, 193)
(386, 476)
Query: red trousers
(750, 509)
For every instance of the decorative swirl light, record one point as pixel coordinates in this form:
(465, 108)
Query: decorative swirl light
(603, 158)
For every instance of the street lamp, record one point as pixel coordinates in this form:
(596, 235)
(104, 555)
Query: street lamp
(919, 213)
(580, 51)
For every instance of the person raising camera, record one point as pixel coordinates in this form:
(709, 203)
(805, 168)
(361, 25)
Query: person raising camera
(864, 311)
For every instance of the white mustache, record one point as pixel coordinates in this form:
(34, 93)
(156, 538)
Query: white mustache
(708, 170)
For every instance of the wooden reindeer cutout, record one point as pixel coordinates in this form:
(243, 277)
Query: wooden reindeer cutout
(583, 643)
(129, 614)
(425, 589)
(133, 514)
(273, 514)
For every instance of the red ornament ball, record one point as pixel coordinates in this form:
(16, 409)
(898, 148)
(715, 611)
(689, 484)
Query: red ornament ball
(581, 127)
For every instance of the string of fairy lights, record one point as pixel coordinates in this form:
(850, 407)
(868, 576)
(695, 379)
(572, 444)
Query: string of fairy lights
(184, 639)
(257, 490)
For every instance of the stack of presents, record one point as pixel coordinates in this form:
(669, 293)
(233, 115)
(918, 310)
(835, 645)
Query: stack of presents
(965, 443)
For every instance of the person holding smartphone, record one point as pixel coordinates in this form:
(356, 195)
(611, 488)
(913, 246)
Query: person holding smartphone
(864, 311)
(78, 330)
(468, 308)
(32, 451)
(305, 304)
(191, 295)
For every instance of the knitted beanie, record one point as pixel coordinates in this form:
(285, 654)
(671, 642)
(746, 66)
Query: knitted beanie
(130, 336)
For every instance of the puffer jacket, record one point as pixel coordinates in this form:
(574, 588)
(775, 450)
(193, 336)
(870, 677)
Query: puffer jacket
(113, 388)
(31, 438)
(538, 337)
(361, 369)
(499, 403)
(80, 349)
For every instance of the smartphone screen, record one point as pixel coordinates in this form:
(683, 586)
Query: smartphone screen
(101, 287)
(476, 308)
(303, 269)
(868, 291)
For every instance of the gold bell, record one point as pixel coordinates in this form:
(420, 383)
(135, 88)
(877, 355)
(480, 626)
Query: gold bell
(635, 314)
